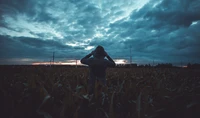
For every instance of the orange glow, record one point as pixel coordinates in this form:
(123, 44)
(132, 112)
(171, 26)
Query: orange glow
(57, 63)
(73, 62)
(120, 61)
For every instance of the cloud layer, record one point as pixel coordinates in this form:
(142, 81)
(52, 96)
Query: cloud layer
(163, 31)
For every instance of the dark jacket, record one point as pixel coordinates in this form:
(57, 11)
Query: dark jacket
(97, 66)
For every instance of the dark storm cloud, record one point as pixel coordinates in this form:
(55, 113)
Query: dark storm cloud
(89, 18)
(104, 43)
(178, 18)
(15, 5)
(12, 48)
(179, 13)
(36, 11)
(47, 45)
(39, 43)
(165, 31)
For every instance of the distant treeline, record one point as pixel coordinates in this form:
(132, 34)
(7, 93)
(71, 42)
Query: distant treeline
(194, 66)
(161, 65)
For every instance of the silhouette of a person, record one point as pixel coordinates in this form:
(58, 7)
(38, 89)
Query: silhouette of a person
(97, 66)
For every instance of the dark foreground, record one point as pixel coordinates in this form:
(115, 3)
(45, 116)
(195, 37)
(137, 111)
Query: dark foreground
(61, 92)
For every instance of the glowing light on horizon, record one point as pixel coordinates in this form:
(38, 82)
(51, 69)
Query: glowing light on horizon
(75, 62)
(120, 61)
(57, 63)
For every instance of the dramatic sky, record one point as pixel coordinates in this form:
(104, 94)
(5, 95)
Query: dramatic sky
(160, 30)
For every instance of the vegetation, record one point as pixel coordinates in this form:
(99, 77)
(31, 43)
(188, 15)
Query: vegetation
(61, 92)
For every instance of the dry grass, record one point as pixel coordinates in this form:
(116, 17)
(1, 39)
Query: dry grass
(60, 92)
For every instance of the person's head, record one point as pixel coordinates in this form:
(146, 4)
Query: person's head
(99, 52)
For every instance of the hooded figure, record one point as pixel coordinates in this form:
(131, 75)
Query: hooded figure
(99, 52)
(97, 66)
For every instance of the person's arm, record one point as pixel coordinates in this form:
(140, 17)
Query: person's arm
(85, 60)
(110, 60)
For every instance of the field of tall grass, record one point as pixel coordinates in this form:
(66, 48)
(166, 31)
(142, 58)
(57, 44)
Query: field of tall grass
(62, 92)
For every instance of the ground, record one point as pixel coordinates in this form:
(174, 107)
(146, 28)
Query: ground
(61, 92)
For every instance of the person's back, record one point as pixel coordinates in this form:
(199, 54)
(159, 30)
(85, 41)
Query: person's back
(97, 65)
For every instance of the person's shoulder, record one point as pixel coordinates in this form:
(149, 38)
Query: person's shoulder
(91, 59)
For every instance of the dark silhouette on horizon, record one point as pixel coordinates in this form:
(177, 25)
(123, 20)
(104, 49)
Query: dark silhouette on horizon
(97, 66)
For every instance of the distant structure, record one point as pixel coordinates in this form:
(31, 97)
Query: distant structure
(130, 54)
(153, 63)
(76, 63)
(164, 65)
(53, 58)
